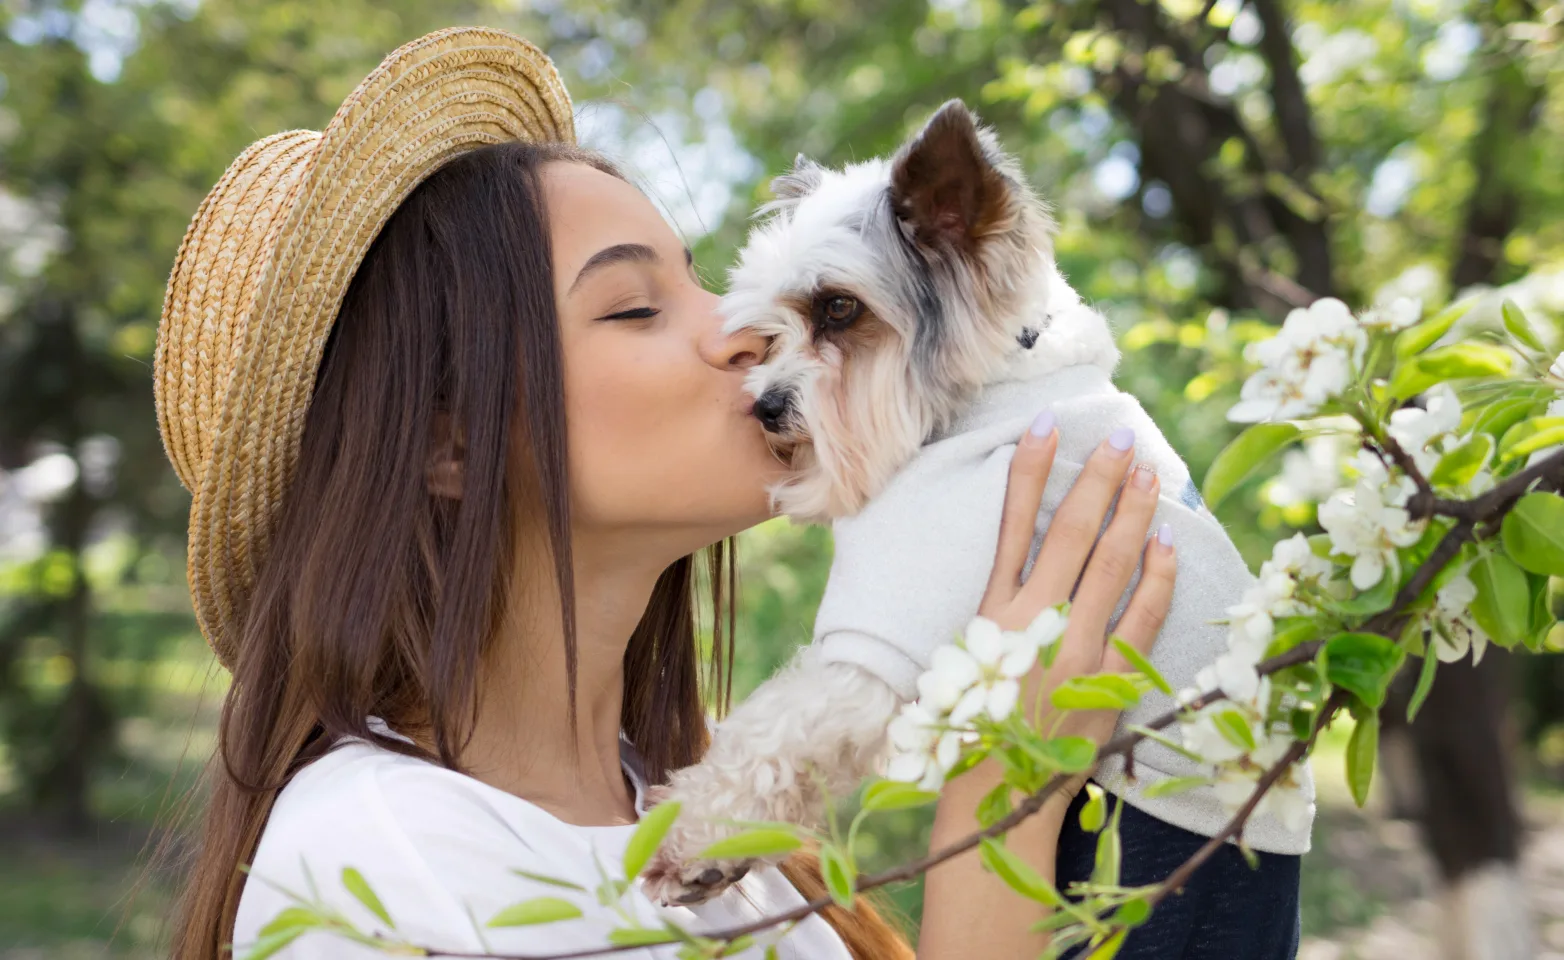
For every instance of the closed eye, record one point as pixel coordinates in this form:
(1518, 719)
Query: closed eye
(639, 313)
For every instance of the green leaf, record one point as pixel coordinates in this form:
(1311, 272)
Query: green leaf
(1520, 329)
(1094, 813)
(1110, 947)
(1110, 851)
(1529, 436)
(1459, 466)
(648, 836)
(1419, 337)
(1096, 692)
(895, 795)
(838, 874)
(994, 806)
(1139, 661)
(1361, 749)
(641, 938)
(1374, 599)
(771, 952)
(1363, 664)
(1234, 728)
(292, 918)
(1289, 632)
(359, 887)
(759, 842)
(1502, 606)
(1458, 361)
(1017, 873)
(1069, 754)
(1172, 785)
(551, 881)
(537, 910)
(1132, 913)
(265, 947)
(1246, 454)
(1501, 415)
(1425, 683)
(1533, 533)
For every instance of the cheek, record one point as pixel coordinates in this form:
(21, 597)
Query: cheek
(654, 438)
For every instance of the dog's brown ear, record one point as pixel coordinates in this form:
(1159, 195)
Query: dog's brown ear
(799, 181)
(945, 184)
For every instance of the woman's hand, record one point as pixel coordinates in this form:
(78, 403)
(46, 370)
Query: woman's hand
(967, 911)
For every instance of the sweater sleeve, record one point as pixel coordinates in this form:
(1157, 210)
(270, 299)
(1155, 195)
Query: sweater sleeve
(910, 569)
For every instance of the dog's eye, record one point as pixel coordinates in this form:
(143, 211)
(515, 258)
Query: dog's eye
(838, 310)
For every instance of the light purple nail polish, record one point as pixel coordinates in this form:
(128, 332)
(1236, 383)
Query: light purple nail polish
(1121, 439)
(1044, 424)
(1165, 535)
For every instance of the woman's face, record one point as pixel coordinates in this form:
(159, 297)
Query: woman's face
(661, 439)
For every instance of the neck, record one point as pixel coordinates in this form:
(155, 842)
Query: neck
(522, 741)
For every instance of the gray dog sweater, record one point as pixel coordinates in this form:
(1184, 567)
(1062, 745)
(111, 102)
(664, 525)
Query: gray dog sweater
(911, 567)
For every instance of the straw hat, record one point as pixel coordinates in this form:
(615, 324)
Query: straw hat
(266, 262)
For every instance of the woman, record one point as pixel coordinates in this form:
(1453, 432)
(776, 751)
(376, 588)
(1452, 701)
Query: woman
(459, 419)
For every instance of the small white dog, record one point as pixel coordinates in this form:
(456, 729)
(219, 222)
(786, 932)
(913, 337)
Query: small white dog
(917, 324)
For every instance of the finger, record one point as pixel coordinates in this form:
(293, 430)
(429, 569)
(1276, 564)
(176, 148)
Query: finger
(1116, 556)
(1078, 520)
(1029, 469)
(1153, 597)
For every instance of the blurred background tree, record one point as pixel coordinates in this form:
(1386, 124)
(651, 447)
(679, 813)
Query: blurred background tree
(1212, 163)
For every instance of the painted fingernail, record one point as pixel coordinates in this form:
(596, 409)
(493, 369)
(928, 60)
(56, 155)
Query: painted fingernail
(1144, 476)
(1165, 535)
(1122, 439)
(1044, 424)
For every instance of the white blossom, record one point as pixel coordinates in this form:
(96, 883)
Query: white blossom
(1426, 434)
(1273, 594)
(1235, 675)
(1001, 659)
(1309, 474)
(1370, 521)
(1311, 360)
(922, 752)
(1461, 634)
(1398, 314)
(1235, 782)
(952, 672)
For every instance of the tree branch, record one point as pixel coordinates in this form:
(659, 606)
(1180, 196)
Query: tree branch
(1235, 826)
(1469, 514)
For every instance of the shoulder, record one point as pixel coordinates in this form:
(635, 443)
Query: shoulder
(437, 847)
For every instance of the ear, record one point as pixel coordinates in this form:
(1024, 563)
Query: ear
(443, 465)
(798, 182)
(944, 182)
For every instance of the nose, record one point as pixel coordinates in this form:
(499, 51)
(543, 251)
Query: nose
(738, 350)
(770, 409)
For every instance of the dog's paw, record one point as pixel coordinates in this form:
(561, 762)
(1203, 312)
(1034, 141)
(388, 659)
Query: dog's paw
(676, 874)
(669, 881)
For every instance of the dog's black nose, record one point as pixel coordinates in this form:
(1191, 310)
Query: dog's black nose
(770, 409)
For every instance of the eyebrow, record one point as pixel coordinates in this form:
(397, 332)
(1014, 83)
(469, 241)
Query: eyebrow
(621, 253)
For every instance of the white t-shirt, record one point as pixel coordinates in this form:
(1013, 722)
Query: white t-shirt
(439, 848)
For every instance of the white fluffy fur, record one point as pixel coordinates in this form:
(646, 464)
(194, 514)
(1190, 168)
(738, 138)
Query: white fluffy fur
(954, 321)
(813, 730)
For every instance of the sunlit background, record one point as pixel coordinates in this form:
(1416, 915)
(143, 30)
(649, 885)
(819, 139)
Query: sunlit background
(1211, 164)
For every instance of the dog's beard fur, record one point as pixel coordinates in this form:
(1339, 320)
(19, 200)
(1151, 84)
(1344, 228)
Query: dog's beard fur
(950, 255)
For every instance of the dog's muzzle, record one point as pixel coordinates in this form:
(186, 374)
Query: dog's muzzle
(771, 408)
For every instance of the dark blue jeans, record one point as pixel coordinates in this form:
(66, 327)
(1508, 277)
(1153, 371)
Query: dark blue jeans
(1227, 910)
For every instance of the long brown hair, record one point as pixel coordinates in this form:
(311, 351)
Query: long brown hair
(379, 598)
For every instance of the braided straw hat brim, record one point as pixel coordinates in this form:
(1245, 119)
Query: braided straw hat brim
(265, 265)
